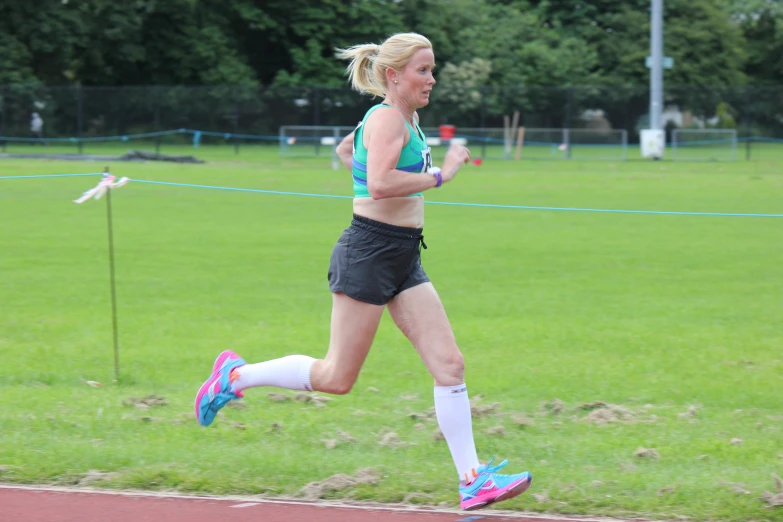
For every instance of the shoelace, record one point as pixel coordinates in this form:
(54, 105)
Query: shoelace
(484, 468)
(489, 468)
(221, 399)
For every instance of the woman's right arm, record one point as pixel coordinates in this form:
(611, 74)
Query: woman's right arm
(386, 133)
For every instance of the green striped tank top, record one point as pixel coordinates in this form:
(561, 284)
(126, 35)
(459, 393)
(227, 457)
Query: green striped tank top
(414, 157)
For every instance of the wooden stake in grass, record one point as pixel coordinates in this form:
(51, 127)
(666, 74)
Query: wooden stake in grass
(520, 141)
(506, 135)
(105, 186)
(509, 130)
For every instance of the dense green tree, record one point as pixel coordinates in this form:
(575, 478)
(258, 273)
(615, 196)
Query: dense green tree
(39, 40)
(15, 61)
(761, 21)
(100, 42)
(159, 42)
(292, 42)
(316, 29)
(707, 47)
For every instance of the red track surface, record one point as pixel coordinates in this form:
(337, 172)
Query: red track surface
(23, 504)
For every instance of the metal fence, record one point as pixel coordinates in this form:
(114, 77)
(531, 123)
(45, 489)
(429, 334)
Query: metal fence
(83, 112)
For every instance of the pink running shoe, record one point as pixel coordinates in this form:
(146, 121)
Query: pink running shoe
(218, 390)
(490, 487)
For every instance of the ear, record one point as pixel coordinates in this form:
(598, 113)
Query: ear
(391, 75)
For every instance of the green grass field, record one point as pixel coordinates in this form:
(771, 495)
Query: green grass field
(673, 322)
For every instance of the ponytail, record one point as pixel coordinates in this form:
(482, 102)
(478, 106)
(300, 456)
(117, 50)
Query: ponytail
(361, 70)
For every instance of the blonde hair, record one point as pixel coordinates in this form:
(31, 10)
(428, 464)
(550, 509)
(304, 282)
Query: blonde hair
(367, 68)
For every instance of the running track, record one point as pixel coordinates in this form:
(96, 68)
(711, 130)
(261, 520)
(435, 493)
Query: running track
(55, 504)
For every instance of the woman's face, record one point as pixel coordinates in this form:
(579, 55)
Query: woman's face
(415, 82)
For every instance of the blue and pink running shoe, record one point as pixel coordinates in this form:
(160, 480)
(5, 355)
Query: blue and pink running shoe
(218, 390)
(489, 486)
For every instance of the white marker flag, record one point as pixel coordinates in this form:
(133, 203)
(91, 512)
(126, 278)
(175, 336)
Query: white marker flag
(107, 183)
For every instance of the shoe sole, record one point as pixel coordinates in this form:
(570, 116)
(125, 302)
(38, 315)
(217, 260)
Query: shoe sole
(200, 396)
(512, 491)
(515, 490)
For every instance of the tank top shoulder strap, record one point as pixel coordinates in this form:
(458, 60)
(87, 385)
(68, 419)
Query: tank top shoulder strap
(358, 130)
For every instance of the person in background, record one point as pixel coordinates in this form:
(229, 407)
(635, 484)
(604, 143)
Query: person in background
(36, 127)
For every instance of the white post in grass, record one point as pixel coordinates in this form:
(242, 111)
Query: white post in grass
(653, 140)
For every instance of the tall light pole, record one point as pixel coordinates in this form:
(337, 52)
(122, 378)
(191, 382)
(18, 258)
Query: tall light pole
(656, 67)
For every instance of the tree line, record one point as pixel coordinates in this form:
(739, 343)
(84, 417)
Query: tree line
(292, 42)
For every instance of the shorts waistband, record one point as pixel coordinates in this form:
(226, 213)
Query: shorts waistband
(386, 229)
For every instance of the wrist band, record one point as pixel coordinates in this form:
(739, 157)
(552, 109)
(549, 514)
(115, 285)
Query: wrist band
(435, 171)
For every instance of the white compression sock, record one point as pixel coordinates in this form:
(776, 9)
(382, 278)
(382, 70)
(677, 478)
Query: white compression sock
(291, 372)
(452, 408)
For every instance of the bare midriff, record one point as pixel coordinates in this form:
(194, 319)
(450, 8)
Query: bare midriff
(401, 212)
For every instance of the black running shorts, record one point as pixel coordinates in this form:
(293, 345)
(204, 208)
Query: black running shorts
(373, 261)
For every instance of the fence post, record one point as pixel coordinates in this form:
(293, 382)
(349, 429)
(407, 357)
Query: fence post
(236, 122)
(316, 106)
(567, 122)
(317, 117)
(747, 123)
(156, 111)
(2, 115)
(482, 112)
(79, 116)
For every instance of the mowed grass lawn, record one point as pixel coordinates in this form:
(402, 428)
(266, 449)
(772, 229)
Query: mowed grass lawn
(633, 363)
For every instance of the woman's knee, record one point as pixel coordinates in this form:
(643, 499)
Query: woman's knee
(450, 370)
(337, 387)
(329, 380)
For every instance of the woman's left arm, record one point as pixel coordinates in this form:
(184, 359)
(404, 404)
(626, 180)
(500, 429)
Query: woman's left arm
(345, 151)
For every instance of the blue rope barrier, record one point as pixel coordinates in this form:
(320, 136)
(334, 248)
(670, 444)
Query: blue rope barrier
(459, 204)
(94, 139)
(447, 203)
(703, 142)
(235, 189)
(36, 176)
(760, 139)
(229, 135)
